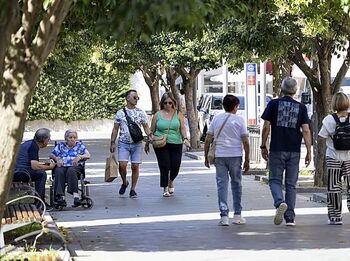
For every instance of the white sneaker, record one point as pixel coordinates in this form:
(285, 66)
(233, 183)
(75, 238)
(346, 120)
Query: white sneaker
(224, 221)
(332, 222)
(238, 220)
(282, 208)
(291, 223)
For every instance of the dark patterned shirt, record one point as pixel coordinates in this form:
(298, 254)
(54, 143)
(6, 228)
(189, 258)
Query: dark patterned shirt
(286, 116)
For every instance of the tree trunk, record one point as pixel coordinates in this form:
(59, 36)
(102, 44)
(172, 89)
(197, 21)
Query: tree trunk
(171, 76)
(152, 80)
(189, 79)
(22, 57)
(281, 69)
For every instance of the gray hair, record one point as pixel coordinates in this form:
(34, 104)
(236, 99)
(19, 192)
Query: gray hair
(42, 134)
(289, 86)
(69, 131)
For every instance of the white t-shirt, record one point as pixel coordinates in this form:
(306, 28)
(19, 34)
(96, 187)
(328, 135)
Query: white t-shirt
(136, 114)
(229, 142)
(328, 130)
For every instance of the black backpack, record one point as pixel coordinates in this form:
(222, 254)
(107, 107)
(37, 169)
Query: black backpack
(341, 137)
(134, 129)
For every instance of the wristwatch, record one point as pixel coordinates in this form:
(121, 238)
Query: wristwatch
(262, 147)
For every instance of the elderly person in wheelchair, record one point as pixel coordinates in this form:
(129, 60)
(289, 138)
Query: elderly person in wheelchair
(68, 156)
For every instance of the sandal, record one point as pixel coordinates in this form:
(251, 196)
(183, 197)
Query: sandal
(171, 190)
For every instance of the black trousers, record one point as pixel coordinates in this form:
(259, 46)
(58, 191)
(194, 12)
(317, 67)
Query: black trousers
(67, 175)
(169, 161)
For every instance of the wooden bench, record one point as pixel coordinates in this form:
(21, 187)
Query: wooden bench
(18, 214)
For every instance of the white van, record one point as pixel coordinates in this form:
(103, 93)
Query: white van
(210, 104)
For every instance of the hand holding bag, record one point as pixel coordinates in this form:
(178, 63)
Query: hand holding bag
(212, 147)
(111, 171)
(134, 129)
(160, 141)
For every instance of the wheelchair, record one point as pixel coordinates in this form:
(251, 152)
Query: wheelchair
(83, 189)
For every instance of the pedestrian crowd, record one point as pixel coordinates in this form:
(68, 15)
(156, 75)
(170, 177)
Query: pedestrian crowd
(286, 123)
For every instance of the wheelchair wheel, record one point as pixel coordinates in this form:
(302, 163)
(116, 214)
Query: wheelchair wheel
(88, 203)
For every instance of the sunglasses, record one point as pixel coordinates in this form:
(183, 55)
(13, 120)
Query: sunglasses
(136, 98)
(165, 103)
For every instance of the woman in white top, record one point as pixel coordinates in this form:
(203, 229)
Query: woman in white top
(337, 161)
(228, 157)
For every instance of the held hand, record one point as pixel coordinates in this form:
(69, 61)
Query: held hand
(187, 143)
(246, 165)
(265, 154)
(307, 159)
(52, 163)
(59, 163)
(147, 148)
(206, 162)
(76, 160)
(112, 148)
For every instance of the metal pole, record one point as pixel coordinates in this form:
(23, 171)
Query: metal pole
(224, 77)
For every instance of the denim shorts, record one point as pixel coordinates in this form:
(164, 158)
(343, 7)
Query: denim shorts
(130, 150)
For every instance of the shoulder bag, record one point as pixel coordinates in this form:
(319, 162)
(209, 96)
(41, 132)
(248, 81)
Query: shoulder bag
(134, 129)
(160, 141)
(212, 148)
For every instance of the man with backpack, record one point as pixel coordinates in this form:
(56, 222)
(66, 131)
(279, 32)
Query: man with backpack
(336, 130)
(128, 120)
(289, 123)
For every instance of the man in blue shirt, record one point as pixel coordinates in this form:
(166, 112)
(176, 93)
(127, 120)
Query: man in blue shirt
(289, 123)
(28, 164)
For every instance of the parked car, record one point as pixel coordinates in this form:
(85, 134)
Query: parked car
(211, 103)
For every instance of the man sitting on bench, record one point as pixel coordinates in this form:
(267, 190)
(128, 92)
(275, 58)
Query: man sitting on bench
(27, 162)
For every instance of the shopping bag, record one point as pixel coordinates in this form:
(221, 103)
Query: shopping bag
(111, 171)
(211, 153)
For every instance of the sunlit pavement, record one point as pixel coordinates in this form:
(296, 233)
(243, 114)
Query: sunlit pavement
(184, 227)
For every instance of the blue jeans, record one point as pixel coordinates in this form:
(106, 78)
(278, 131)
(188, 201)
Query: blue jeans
(38, 176)
(280, 161)
(130, 150)
(226, 168)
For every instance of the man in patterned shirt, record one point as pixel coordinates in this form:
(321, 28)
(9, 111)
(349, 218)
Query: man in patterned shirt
(126, 147)
(289, 123)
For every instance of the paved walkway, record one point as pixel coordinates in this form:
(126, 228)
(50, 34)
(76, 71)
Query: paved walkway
(184, 227)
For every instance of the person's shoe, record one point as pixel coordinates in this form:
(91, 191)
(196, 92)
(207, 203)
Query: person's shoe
(123, 188)
(166, 194)
(238, 220)
(171, 190)
(133, 194)
(282, 208)
(290, 223)
(224, 221)
(60, 200)
(333, 222)
(77, 202)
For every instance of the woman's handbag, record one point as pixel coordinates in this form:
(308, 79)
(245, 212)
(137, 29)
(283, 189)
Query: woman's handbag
(212, 147)
(134, 129)
(160, 141)
(111, 171)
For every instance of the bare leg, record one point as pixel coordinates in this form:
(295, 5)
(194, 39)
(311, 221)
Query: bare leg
(123, 171)
(135, 168)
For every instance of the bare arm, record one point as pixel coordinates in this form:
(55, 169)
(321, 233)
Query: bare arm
(114, 137)
(245, 141)
(264, 136)
(307, 140)
(37, 165)
(182, 126)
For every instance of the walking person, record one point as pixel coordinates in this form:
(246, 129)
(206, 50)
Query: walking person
(337, 161)
(27, 162)
(229, 132)
(126, 147)
(289, 123)
(169, 122)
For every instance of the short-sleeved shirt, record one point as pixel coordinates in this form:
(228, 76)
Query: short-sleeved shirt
(327, 131)
(69, 154)
(136, 114)
(28, 151)
(174, 134)
(286, 116)
(229, 142)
